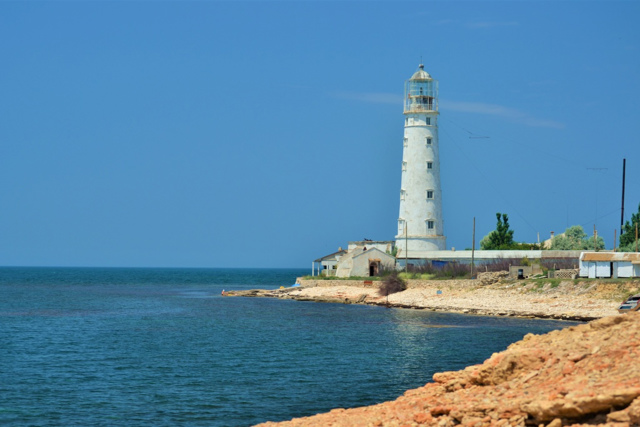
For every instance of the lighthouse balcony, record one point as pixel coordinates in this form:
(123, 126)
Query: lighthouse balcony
(418, 108)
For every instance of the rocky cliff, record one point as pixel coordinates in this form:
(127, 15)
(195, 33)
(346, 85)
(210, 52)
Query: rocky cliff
(580, 376)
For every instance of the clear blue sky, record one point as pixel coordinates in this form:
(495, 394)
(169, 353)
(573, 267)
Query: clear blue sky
(268, 134)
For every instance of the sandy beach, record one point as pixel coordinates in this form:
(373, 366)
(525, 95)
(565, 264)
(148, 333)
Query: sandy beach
(569, 300)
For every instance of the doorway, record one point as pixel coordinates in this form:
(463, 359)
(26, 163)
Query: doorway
(374, 267)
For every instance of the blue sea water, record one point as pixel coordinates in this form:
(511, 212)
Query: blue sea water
(142, 347)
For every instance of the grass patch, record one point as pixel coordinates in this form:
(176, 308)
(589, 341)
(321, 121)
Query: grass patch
(553, 283)
(539, 285)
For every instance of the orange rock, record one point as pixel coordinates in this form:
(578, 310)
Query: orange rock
(422, 418)
(568, 367)
(440, 410)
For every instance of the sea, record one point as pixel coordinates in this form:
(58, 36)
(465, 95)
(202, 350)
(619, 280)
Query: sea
(163, 347)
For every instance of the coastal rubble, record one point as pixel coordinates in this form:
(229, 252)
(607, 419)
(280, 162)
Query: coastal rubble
(583, 375)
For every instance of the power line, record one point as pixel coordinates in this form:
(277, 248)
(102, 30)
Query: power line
(534, 149)
(486, 180)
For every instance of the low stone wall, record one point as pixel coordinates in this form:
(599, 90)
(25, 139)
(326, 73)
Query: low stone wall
(566, 274)
(310, 283)
(411, 283)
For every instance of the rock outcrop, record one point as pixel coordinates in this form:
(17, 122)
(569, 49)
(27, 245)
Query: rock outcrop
(580, 376)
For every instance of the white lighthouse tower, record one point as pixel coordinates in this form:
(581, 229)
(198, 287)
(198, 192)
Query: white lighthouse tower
(420, 225)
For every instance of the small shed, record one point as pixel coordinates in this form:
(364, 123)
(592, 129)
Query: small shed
(523, 271)
(609, 264)
(364, 262)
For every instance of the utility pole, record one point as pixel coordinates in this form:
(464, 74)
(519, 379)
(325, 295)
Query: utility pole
(595, 238)
(615, 232)
(473, 246)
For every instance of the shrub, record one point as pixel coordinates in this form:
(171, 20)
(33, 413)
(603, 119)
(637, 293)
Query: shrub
(429, 271)
(392, 284)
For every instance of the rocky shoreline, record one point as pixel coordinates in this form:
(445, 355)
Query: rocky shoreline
(584, 375)
(563, 300)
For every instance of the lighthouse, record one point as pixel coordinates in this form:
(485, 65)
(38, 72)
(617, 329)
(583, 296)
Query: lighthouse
(420, 224)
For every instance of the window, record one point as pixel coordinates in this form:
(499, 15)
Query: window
(406, 121)
(400, 226)
(428, 141)
(404, 166)
(429, 194)
(402, 193)
(429, 165)
(430, 225)
(406, 142)
(428, 121)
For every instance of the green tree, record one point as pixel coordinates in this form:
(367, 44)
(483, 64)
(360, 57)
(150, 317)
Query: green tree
(628, 236)
(575, 239)
(501, 237)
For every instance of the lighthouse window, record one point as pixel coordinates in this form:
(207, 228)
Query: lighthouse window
(402, 192)
(428, 120)
(404, 166)
(406, 142)
(430, 225)
(429, 194)
(429, 165)
(428, 141)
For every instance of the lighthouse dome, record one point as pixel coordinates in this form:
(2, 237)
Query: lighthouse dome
(421, 74)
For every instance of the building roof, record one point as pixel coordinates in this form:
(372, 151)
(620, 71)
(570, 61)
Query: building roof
(633, 257)
(421, 74)
(374, 251)
(331, 256)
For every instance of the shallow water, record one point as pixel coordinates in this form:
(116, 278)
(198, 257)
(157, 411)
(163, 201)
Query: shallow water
(162, 347)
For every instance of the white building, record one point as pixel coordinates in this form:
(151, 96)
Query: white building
(609, 264)
(327, 264)
(420, 224)
(364, 261)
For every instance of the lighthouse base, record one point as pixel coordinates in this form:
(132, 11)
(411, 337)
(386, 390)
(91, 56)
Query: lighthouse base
(419, 244)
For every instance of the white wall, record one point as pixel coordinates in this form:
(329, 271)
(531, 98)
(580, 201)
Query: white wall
(603, 269)
(417, 180)
(584, 269)
(623, 269)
